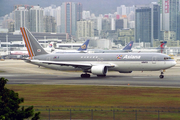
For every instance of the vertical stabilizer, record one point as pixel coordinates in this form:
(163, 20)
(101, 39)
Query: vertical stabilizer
(84, 46)
(128, 46)
(162, 46)
(32, 45)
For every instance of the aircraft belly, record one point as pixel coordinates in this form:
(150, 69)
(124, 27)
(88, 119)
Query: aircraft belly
(118, 66)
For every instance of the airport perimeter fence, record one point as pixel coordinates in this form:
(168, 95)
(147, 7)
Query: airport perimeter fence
(107, 113)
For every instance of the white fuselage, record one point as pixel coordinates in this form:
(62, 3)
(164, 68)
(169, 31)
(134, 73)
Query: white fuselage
(133, 62)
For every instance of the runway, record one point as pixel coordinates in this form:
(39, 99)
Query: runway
(19, 72)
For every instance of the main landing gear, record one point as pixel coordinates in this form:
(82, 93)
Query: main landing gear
(85, 75)
(161, 76)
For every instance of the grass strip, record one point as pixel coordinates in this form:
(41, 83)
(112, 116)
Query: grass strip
(100, 102)
(77, 95)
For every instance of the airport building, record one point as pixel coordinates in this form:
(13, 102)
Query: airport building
(9, 37)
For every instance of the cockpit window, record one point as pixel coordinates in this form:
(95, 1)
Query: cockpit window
(166, 58)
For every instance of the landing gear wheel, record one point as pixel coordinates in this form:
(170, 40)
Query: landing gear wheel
(85, 75)
(161, 76)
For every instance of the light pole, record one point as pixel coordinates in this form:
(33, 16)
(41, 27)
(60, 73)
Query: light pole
(7, 43)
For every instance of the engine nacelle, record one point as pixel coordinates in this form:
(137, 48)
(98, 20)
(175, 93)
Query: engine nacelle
(99, 70)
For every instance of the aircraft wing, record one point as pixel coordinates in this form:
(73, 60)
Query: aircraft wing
(73, 64)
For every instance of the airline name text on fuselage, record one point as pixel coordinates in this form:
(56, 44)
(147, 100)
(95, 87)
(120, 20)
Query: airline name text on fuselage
(131, 57)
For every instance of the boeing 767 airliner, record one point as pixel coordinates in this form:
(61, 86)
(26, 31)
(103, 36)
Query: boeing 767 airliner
(96, 63)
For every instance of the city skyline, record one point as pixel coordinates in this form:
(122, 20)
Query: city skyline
(100, 7)
(124, 25)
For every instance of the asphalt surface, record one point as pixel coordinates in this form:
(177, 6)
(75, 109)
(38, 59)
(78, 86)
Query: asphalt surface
(20, 72)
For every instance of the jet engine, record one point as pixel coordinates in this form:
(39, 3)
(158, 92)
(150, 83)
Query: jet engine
(99, 70)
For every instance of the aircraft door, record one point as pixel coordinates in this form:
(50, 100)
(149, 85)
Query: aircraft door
(154, 60)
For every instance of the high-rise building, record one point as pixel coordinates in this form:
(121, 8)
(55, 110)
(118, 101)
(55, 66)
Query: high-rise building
(130, 9)
(36, 19)
(121, 10)
(85, 29)
(50, 11)
(21, 17)
(25, 6)
(119, 24)
(79, 11)
(58, 19)
(131, 16)
(86, 15)
(106, 24)
(169, 11)
(147, 23)
(69, 18)
(113, 24)
(49, 24)
(99, 24)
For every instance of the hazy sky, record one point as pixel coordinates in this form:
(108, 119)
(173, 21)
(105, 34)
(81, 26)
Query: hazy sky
(94, 6)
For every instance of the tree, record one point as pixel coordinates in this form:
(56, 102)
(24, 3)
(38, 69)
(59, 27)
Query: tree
(9, 105)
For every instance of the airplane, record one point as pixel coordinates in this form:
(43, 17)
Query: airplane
(127, 48)
(82, 49)
(159, 49)
(96, 63)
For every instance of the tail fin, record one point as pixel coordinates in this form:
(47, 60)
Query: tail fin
(128, 46)
(51, 45)
(162, 45)
(32, 45)
(84, 46)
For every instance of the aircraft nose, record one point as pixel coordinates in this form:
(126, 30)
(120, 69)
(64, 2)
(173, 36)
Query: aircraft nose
(173, 63)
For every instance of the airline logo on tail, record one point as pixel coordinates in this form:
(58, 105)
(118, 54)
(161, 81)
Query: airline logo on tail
(128, 46)
(50, 45)
(162, 46)
(84, 46)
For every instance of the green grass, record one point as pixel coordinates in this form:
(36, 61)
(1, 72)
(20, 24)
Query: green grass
(67, 95)
(105, 97)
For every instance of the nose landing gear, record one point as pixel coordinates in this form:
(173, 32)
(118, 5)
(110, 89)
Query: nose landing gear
(161, 76)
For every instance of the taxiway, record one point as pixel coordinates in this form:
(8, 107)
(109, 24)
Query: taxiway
(20, 72)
